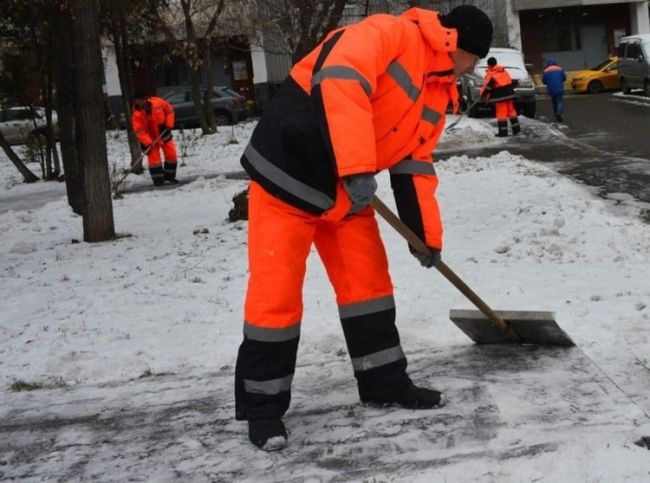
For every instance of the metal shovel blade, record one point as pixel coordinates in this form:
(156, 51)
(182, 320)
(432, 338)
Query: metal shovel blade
(532, 327)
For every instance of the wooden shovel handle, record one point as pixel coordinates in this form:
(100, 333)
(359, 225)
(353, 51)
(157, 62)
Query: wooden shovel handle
(442, 267)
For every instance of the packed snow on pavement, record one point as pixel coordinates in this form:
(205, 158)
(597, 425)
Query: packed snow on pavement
(129, 345)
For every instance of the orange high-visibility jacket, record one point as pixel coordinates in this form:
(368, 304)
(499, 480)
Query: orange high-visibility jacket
(497, 84)
(147, 125)
(371, 97)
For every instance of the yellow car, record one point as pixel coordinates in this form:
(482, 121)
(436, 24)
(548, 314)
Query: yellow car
(603, 76)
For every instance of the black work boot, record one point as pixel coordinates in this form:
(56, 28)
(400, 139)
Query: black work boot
(170, 172)
(268, 434)
(516, 128)
(157, 175)
(503, 129)
(411, 397)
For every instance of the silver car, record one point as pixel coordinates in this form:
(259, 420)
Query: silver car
(17, 123)
(470, 84)
(634, 63)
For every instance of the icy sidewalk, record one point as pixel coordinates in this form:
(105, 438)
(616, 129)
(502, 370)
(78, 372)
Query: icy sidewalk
(515, 414)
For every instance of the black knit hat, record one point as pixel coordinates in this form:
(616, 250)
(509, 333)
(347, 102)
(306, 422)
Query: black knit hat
(492, 61)
(474, 28)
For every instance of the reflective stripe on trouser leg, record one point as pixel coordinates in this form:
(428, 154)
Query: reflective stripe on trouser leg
(279, 240)
(514, 123)
(356, 264)
(156, 173)
(170, 169)
(169, 150)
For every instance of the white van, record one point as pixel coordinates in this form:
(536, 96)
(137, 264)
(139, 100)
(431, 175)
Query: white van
(634, 63)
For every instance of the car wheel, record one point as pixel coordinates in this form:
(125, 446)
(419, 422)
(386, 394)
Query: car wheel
(595, 87)
(624, 87)
(222, 118)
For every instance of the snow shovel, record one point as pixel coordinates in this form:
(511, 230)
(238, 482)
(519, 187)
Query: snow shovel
(117, 184)
(487, 326)
(460, 116)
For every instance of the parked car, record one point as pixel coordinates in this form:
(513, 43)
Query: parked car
(634, 63)
(513, 61)
(17, 123)
(597, 79)
(229, 106)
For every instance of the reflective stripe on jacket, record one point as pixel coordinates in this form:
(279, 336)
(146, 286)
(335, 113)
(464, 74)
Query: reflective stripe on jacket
(147, 122)
(371, 97)
(497, 84)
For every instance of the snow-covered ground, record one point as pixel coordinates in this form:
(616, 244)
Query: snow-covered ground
(92, 325)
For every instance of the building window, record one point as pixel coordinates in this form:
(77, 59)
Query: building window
(560, 34)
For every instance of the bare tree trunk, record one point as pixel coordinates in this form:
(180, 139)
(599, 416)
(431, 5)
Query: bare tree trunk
(192, 59)
(124, 66)
(209, 85)
(90, 130)
(28, 176)
(207, 63)
(195, 85)
(63, 77)
(51, 142)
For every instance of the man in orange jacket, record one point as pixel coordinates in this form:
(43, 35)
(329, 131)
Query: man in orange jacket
(152, 120)
(371, 97)
(498, 89)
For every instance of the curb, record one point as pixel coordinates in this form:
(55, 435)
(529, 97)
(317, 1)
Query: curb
(641, 99)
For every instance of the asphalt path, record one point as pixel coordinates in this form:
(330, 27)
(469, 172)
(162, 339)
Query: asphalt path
(604, 142)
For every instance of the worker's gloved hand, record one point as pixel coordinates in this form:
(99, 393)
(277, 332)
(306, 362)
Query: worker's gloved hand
(427, 260)
(165, 133)
(361, 188)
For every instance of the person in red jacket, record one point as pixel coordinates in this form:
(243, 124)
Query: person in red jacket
(498, 89)
(371, 97)
(152, 120)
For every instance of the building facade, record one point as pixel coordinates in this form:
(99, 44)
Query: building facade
(577, 33)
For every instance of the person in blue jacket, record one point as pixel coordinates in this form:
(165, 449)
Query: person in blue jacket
(554, 77)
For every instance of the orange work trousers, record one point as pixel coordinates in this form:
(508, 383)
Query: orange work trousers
(505, 110)
(169, 150)
(280, 238)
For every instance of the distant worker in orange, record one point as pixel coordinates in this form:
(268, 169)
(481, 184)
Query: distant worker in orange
(497, 88)
(371, 97)
(152, 120)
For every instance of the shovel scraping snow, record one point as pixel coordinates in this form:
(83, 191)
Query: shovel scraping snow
(486, 326)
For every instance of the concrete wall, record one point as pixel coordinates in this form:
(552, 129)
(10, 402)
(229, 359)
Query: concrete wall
(640, 17)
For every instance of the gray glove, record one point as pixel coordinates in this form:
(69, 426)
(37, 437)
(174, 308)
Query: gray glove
(427, 260)
(361, 188)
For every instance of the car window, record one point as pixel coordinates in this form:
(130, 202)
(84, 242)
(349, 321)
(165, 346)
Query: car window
(633, 51)
(621, 49)
(20, 114)
(232, 92)
(176, 98)
(511, 60)
(602, 65)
